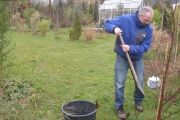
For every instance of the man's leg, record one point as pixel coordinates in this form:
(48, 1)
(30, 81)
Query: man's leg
(121, 69)
(138, 95)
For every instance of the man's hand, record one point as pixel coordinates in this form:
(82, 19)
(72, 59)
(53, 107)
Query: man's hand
(125, 48)
(117, 31)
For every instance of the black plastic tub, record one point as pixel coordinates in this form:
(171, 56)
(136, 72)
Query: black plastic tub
(79, 110)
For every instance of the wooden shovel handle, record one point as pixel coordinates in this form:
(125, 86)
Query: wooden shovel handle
(132, 67)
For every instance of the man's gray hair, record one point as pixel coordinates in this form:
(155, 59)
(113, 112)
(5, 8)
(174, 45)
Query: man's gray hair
(145, 10)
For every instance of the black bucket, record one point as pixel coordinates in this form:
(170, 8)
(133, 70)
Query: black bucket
(79, 110)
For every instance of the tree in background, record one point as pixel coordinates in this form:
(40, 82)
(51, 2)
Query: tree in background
(61, 10)
(165, 8)
(102, 1)
(83, 8)
(35, 18)
(70, 3)
(76, 30)
(27, 15)
(157, 19)
(96, 11)
(50, 9)
(90, 12)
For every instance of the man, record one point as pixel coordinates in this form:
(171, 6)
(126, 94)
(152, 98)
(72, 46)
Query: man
(137, 34)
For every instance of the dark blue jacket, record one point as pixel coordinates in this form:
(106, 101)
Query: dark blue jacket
(135, 34)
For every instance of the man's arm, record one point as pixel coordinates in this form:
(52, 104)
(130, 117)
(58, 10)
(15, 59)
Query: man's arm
(112, 25)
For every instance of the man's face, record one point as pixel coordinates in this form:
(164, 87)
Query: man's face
(145, 19)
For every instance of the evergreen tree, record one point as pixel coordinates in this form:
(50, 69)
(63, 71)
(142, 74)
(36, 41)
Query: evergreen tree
(4, 41)
(90, 12)
(75, 32)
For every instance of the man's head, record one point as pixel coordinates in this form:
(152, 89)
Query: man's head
(145, 15)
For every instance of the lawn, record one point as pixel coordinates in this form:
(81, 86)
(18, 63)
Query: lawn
(62, 70)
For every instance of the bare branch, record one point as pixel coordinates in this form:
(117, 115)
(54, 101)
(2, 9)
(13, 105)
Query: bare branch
(176, 93)
(164, 111)
(177, 25)
(171, 115)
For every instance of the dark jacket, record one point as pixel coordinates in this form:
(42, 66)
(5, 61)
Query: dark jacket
(135, 34)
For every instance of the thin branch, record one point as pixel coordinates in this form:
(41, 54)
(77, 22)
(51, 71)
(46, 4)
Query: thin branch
(172, 96)
(171, 114)
(177, 25)
(164, 111)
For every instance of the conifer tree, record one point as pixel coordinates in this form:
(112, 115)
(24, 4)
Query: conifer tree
(90, 12)
(4, 41)
(75, 32)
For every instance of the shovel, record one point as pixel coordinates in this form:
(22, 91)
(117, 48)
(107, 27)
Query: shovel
(132, 68)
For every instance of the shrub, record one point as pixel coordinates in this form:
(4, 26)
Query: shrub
(34, 21)
(44, 26)
(27, 14)
(158, 12)
(89, 34)
(15, 21)
(75, 32)
(157, 19)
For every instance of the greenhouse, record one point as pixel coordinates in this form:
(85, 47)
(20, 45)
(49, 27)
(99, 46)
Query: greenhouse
(113, 8)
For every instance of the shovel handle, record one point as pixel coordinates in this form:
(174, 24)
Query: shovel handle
(132, 68)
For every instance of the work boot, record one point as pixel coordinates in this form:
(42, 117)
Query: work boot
(121, 113)
(139, 107)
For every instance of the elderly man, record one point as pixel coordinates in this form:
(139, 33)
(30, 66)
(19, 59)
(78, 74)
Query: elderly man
(137, 34)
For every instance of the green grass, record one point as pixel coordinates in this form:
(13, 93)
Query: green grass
(63, 70)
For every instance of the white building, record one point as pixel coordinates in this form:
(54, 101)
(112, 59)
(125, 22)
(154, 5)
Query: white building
(113, 8)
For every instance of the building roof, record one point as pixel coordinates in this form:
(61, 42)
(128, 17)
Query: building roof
(84, 1)
(127, 4)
